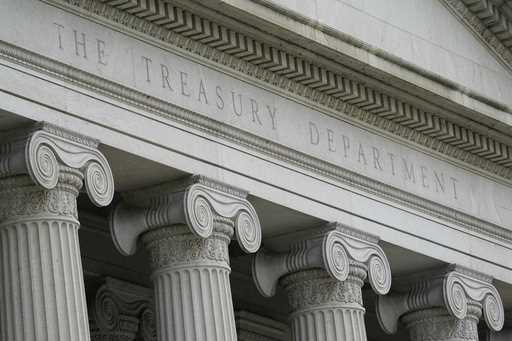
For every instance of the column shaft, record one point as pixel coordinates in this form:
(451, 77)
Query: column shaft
(191, 283)
(324, 308)
(42, 294)
(436, 324)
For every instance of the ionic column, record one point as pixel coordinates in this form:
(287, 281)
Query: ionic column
(186, 227)
(122, 311)
(42, 293)
(442, 305)
(322, 276)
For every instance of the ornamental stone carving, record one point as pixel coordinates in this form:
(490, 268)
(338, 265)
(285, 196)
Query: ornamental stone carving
(442, 305)
(186, 227)
(42, 169)
(122, 311)
(332, 249)
(322, 275)
(44, 150)
(196, 202)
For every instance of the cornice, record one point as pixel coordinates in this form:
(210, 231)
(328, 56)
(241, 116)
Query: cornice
(491, 21)
(348, 111)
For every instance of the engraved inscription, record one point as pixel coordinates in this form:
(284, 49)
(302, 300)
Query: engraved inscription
(196, 88)
(83, 45)
(156, 74)
(378, 159)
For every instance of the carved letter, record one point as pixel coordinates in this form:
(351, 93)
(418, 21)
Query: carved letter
(202, 92)
(392, 160)
(220, 100)
(454, 183)
(165, 77)
(183, 82)
(346, 145)
(59, 34)
(147, 62)
(423, 171)
(237, 113)
(272, 113)
(361, 155)
(254, 111)
(330, 140)
(439, 181)
(409, 171)
(313, 134)
(81, 43)
(100, 44)
(376, 158)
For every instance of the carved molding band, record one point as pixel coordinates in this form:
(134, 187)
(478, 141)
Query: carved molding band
(197, 202)
(122, 311)
(44, 150)
(332, 250)
(453, 289)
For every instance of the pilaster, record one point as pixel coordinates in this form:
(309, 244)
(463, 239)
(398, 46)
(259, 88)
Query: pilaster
(186, 227)
(322, 275)
(443, 304)
(42, 169)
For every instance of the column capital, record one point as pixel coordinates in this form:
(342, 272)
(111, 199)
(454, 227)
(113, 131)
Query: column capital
(332, 248)
(43, 150)
(453, 288)
(195, 201)
(121, 311)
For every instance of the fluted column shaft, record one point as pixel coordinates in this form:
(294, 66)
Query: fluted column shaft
(42, 293)
(191, 283)
(324, 308)
(436, 324)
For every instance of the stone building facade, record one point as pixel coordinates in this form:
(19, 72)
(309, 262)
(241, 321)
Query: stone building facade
(255, 170)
